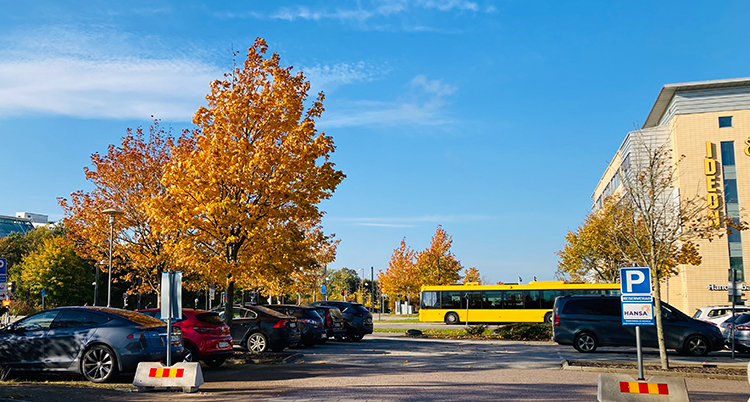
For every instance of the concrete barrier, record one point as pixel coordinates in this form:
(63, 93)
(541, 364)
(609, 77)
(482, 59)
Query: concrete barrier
(625, 388)
(150, 376)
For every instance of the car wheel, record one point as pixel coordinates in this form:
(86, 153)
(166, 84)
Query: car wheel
(257, 343)
(696, 345)
(451, 318)
(214, 362)
(191, 354)
(99, 364)
(585, 342)
(548, 318)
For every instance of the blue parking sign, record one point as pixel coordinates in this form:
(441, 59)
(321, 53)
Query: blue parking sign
(635, 281)
(3, 266)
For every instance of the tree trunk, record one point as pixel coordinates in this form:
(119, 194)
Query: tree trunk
(659, 328)
(229, 305)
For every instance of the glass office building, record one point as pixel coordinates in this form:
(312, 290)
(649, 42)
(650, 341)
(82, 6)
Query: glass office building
(707, 126)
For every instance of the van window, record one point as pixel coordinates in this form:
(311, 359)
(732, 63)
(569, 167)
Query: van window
(592, 306)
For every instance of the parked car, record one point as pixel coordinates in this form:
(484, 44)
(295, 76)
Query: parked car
(333, 321)
(204, 335)
(357, 320)
(259, 329)
(741, 324)
(718, 314)
(587, 322)
(309, 321)
(97, 342)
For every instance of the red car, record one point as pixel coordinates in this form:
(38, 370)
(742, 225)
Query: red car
(204, 334)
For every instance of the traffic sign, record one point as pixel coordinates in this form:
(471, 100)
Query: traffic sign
(636, 299)
(635, 281)
(3, 266)
(322, 289)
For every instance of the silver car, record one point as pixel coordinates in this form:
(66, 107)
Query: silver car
(741, 324)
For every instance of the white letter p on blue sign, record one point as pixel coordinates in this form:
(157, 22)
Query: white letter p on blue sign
(635, 281)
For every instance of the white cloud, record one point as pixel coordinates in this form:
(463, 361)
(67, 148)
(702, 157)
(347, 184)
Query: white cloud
(79, 74)
(422, 104)
(329, 77)
(363, 12)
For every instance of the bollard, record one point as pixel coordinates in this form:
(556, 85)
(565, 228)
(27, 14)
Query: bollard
(150, 376)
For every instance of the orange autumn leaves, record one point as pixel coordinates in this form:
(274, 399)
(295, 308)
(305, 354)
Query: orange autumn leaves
(238, 195)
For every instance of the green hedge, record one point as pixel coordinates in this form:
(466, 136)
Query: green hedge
(525, 332)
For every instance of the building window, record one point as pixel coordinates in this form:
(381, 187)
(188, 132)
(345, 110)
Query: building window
(732, 207)
(725, 121)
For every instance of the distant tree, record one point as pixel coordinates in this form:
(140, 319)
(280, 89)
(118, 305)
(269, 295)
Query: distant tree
(401, 278)
(56, 268)
(472, 275)
(437, 265)
(343, 279)
(15, 248)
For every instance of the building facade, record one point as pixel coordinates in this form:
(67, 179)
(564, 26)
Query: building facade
(707, 126)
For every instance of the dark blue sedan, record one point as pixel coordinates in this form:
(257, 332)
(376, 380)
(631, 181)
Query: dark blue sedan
(97, 342)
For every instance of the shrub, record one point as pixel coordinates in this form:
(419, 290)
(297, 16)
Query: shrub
(475, 329)
(525, 332)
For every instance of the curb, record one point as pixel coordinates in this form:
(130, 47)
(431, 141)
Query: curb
(565, 365)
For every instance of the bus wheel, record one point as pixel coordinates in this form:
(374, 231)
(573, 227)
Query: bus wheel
(548, 318)
(451, 318)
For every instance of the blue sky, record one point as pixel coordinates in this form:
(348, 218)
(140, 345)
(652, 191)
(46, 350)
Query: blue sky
(492, 119)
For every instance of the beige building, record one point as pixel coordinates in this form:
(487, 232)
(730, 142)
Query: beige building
(707, 126)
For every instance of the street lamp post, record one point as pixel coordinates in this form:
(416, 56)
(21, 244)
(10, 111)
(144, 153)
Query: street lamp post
(112, 213)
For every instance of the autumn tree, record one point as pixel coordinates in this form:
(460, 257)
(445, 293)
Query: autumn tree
(15, 248)
(128, 177)
(596, 250)
(437, 265)
(56, 268)
(401, 277)
(664, 224)
(472, 275)
(344, 279)
(242, 190)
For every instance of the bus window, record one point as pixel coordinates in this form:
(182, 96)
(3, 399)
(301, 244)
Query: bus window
(475, 299)
(513, 299)
(492, 299)
(451, 299)
(531, 298)
(430, 300)
(548, 298)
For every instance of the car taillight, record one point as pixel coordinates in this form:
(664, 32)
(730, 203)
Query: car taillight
(281, 324)
(202, 330)
(557, 320)
(329, 322)
(143, 335)
(742, 328)
(713, 323)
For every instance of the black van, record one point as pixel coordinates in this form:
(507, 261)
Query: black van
(587, 322)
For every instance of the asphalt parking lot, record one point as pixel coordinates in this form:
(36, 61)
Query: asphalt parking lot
(390, 367)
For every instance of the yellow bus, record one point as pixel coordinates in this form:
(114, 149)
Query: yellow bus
(501, 303)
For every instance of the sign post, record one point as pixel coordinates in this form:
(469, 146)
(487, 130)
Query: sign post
(637, 304)
(3, 277)
(171, 304)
